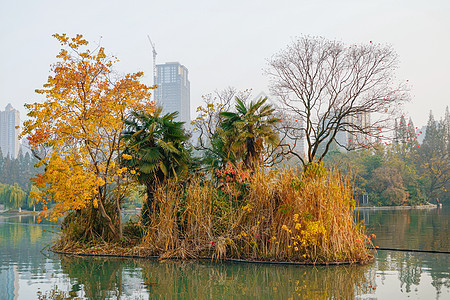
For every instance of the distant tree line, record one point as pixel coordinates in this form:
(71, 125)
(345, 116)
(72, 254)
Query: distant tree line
(15, 184)
(403, 172)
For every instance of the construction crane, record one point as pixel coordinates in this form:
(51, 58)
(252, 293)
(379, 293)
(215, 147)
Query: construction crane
(154, 58)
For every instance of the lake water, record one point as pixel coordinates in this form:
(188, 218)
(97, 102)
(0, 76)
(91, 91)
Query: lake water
(29, 271)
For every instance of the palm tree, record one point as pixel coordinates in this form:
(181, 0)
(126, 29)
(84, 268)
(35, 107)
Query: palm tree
(155, 150)
(246, 130)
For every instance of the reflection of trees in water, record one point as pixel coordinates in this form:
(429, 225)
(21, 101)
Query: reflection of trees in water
(22, 242)
(100, 278)
(440, 281)
(20, 233)
(409, 271)
(56, 294)
(208, 281)
(425, 229)
(440, 274)
(410, 267)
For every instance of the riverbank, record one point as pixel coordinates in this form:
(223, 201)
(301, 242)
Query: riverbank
(19, 213)
(426, 206)
(137, 211)
(213, 259)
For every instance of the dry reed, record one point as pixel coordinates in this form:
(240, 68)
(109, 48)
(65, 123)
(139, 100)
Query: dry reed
(279, 215)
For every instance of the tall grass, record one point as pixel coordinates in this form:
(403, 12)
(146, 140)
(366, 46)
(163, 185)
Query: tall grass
(280, 215)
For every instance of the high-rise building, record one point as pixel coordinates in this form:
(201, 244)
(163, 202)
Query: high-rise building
(361, 120)
(173, 92)
(9, 131)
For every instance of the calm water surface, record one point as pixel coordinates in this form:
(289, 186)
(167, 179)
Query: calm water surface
(29, 271)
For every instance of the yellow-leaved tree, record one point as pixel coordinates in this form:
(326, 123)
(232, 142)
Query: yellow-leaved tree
(76, 134)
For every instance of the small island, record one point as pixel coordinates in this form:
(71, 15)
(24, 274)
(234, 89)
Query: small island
(232, 187)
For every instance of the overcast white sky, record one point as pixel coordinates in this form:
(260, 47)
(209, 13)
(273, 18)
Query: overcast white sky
(224, 43)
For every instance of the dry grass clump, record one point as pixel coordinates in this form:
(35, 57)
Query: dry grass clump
(267, 215)
(307, 217)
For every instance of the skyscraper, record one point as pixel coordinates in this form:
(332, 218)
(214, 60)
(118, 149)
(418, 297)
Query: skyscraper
(346, 139)
(173, 92)
(9, 131)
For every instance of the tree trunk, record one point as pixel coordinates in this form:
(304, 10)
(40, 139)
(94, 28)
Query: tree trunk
(251, 153)
(147, 206)
(108, 220)
(119, 211)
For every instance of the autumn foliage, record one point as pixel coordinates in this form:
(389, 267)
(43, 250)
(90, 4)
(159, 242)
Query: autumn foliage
(76, 134)
(97, 134)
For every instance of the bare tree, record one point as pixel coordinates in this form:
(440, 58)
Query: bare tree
(288, 139)
(326, 87)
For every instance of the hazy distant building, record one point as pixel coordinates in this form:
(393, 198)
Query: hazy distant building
(9, 282)
(9, 131)
(173, 92)
(344, 138)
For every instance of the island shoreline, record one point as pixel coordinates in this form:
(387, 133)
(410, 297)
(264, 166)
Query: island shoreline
(211, 259)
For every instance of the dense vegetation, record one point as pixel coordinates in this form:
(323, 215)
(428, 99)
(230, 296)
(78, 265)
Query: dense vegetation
(15, 184)
(18, 170)
(101, 140)
(403, 172)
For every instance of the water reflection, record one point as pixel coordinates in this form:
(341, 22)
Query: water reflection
(9, 283)
(116, 278)
(22, 265)
(424, 229)
(413, 268)
(102, 278)
(393, 273)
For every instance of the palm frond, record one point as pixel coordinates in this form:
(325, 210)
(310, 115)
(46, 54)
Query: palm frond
(240, 106)
(169, 147)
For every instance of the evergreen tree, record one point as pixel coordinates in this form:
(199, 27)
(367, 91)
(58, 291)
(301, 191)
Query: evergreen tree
(411, 134)
(2, 163)
(445, 196)
(403, 131)
(434, 159)
(396, 140)
(446, 129)
(28, 171)
(8, 171)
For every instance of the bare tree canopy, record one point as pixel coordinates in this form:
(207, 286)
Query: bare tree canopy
(330, 88)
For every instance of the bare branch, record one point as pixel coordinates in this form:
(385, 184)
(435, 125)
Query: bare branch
(342, 94)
